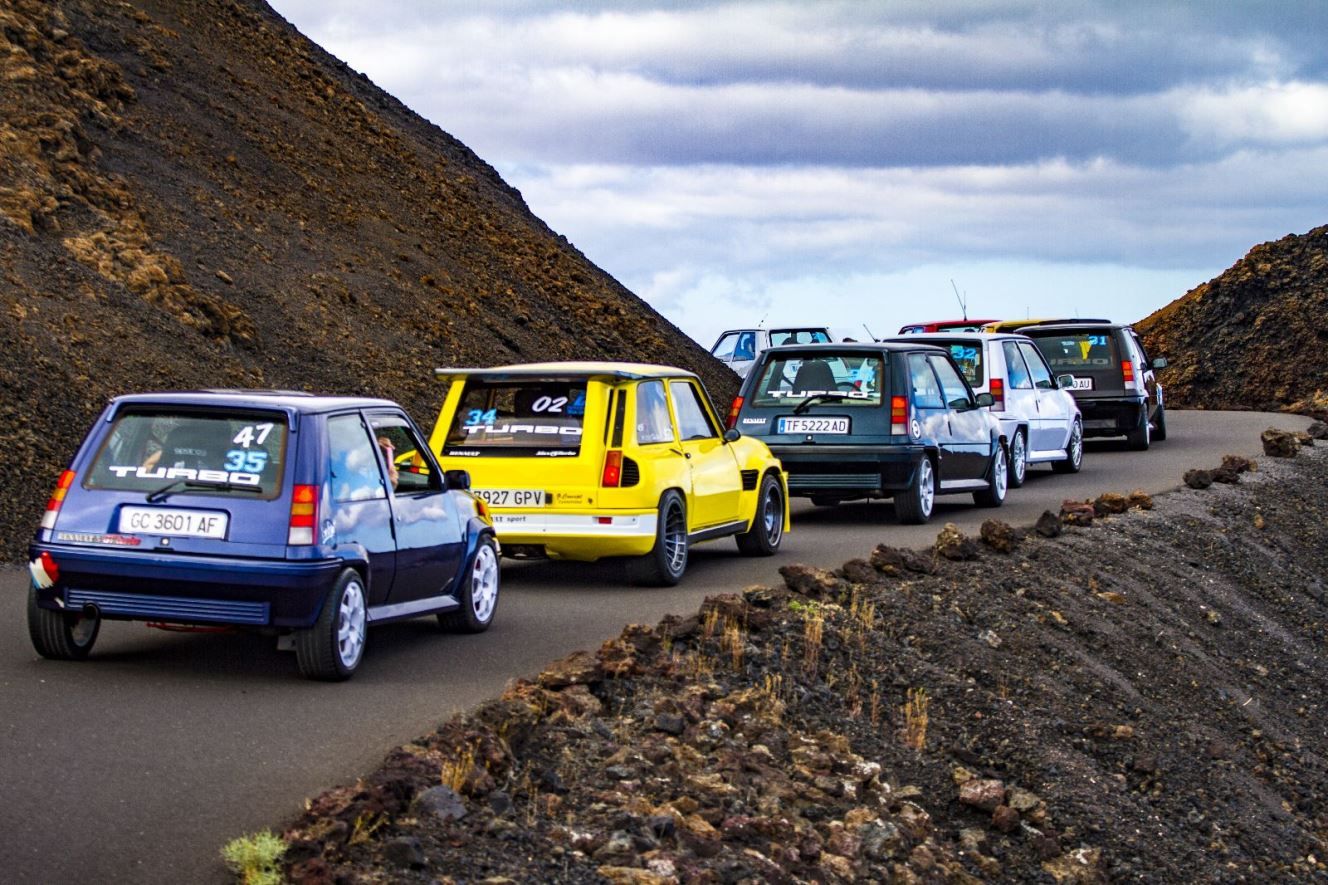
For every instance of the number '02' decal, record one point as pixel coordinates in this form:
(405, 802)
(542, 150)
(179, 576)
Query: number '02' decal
(548, 404)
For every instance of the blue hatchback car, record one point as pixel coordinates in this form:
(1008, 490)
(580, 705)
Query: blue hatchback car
(308, 517)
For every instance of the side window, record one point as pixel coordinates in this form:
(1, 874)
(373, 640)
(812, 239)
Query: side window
(1018, 377)
(355, 472)
(724, 349)
(693, 422)
(1037, 366)
(1144, 361)
(746, 347)
(952, 383)
(409, 468)
(926, 390)
(652, 414)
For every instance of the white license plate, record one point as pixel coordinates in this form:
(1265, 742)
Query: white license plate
(511, 497)
(1083, 384)
(812, 425)
(175, 523)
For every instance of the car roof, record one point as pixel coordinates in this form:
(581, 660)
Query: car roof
(1071, 326)
(858, 347)
(953, 336)
(293, 401)
(567, 371)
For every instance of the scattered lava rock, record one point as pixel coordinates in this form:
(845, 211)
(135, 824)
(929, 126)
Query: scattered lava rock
(1318, 430)
(1109, 503)
(1077, 513)
(1198, 478)
(1019, 723)
(1049, 525)
(1280, 443)
(954, 545)
(999, 536)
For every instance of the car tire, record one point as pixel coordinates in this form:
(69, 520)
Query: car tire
(914, 505)
(1018, 459)
(331, 650)
(478, 594)
(994, 494)
(1160, 424)
(1139, 438)
(767, 531)
(60, 636)
(1074, 451)
(664, 565)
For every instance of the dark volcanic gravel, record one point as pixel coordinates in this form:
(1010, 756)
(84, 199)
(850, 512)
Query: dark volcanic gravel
(1140, 698)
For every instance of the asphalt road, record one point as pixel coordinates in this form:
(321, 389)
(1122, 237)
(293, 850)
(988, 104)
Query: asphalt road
(137, 765)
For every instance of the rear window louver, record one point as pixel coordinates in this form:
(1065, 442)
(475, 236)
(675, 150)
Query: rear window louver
(631, 473)
(749, 478)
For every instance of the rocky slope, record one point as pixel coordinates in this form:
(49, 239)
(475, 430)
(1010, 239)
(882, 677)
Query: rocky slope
(1129, 692)
(1251, 338)
(194, 195)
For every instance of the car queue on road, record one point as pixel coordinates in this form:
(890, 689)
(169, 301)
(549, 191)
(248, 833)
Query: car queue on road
(309, 518)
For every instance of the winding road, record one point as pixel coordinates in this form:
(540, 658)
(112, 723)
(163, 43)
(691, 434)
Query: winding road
(137, 765)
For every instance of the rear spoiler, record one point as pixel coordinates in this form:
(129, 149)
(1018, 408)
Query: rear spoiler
(526, 373)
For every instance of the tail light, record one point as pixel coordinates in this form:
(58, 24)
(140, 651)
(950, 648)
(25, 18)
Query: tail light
(733, 412)
(1127, 371)
(303, 516)
(57, 498)
(612, 470)
(898, 415)
(997, 395)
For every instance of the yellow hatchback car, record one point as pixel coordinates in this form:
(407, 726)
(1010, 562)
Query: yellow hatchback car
(588, 460)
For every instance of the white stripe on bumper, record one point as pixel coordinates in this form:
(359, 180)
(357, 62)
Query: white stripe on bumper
(574, 525)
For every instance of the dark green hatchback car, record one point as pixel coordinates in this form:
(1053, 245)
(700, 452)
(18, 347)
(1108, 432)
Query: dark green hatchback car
(859, 421)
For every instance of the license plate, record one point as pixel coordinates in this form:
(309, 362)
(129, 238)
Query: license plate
(511, 497)
(175, 523)
(812, 425)
(1083, 384)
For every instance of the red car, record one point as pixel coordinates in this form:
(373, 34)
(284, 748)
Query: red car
(945, 326)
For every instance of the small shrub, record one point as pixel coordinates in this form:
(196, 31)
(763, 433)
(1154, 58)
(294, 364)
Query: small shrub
(255, 859)
(915, 718)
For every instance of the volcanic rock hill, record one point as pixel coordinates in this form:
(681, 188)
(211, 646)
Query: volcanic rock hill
(1252, 338)
(192, 194)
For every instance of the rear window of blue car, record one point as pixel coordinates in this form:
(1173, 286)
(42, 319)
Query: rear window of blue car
(213, 453)
(843, 379)
(533, 418)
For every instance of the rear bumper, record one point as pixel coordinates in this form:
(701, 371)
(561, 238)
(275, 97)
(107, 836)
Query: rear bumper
(580, 536)
(1111, 417)
(145, 586)
(848, 471)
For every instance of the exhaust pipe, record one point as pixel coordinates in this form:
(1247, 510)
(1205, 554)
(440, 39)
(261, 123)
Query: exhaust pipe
(91, 612)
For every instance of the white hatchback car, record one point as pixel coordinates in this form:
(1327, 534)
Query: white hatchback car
(1038, 414)
(737, 348)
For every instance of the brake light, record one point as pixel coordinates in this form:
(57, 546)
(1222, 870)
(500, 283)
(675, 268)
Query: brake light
(898, 415)
(733, 412)
(997, 395)
(57, 498)
(1127, 371)
(303, 516)
(612, 470)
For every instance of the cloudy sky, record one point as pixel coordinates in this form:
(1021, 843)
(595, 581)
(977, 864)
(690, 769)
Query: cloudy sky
(845, 163)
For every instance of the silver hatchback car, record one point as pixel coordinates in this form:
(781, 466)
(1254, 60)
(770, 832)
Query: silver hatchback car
(1038, 414)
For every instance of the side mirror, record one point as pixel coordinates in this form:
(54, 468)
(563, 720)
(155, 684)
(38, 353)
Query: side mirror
(456, 480)
(1160, 363)
(1065, 382)
(985, 399)
(733, 434)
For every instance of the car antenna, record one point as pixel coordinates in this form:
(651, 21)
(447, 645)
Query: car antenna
(761, 325)
(963, 303)
(870, 333)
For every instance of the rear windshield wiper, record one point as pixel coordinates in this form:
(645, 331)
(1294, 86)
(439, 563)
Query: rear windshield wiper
(170, 488)
(817, 397)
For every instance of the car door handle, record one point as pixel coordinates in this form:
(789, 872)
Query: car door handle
(687, 455)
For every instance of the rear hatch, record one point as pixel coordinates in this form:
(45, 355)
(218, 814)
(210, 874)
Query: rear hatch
(193, 480)
(527, 442)
(818, 396)
(970, 356)
(1090, 355)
